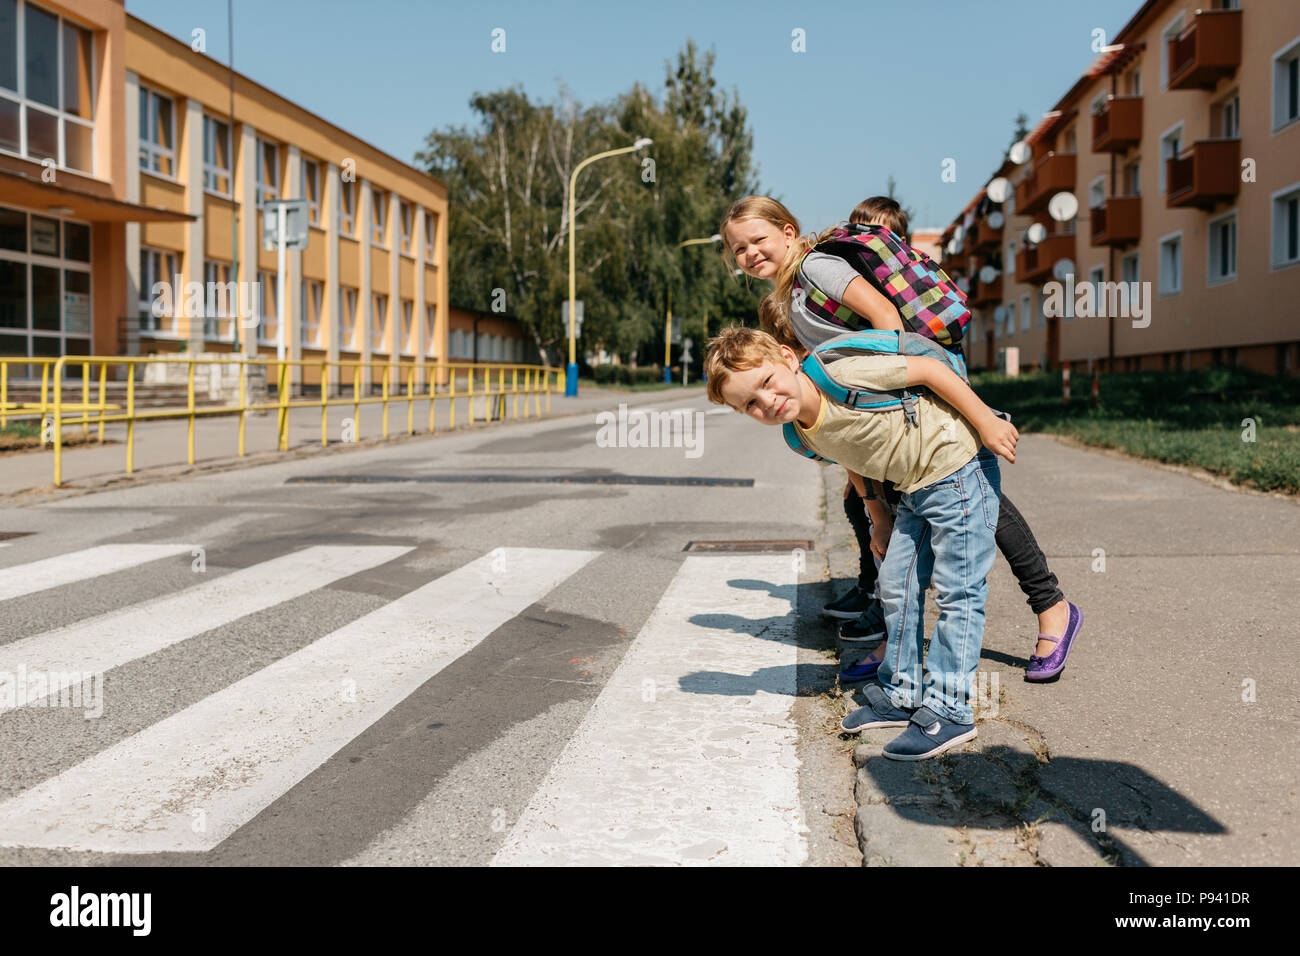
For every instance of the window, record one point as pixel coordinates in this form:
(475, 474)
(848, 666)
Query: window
(347, 207)
(268, 329)
(1135, 81)
(347, 319)
(309, 327)
(379, 323)
(1223, 249)
(1171, 32)
(1286, 85)
(406, 220)
(1038, 308)
(157, 133)
(222, 302)
(1226, 117)
(378, 217)
(1286, 226)
(408, 327)
(430, 234)
(430, 323)
(1097, 192)
(47, 100)
(1025, 317)
(311, 189)
(1171, 264)
(1011, 319)
(1071, 140)
(1133, 179)
(1096, 276)
(216, 156)
(1128, 267)
(157, 268)
(1171, 144)
(268, 171)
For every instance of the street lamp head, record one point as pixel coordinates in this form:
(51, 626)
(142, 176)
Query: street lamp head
(715, 238)
(642, 143)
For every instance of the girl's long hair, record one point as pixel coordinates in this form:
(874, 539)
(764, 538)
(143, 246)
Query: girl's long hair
(773, 211)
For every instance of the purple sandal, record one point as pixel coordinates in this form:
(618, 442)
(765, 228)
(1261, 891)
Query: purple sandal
(1045, 668)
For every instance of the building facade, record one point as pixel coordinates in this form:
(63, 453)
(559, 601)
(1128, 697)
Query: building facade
(124, 177)
(1181, 143)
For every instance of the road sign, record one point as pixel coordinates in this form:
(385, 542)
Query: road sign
(295, 224)
(564, 318)
(677, 330)
(686, 350)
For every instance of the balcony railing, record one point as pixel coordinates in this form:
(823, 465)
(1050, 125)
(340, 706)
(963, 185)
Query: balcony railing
(1051, 174)
(985, 293)
(1207, 173)
(1118, 126)
(1210, 48)
(1034, 263)
(984, 237)
(1117, 221)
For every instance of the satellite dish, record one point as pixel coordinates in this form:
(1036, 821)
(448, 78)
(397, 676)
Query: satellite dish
(964, 284)
(952, 247)
(1036, 233)
(998, 189)
(969, 220)
(1000, 314)
(958, 233)
(996, 219)
(1063, 207)
(1019, 152)
(1063, 268)
(988, 274)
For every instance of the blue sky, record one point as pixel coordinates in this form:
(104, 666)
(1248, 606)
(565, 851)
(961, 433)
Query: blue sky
(885, 86)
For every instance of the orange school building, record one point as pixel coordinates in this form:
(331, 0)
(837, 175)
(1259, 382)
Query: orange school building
(120, 168)
(1181, 142)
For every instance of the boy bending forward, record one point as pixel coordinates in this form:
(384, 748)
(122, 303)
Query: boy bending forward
(948, 474)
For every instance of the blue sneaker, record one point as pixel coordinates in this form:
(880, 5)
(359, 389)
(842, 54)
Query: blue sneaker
(879, 712)
(862, 670)
(928, 735)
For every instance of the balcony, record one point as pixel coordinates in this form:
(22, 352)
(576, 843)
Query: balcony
(1209, 49)
(1051, 174)
(1034, 264)
(1117, 221)
(985, 293)
(983, 237)
(1118, 126)
(1206, 174)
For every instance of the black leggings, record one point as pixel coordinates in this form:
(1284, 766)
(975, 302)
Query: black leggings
(1014, 540)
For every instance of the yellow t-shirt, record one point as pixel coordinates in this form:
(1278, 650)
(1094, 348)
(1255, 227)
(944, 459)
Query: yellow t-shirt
(881, 445)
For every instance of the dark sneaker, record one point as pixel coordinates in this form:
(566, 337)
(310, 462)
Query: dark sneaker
(848, 606)
(867, 628)
(879, 712)
(928, 735)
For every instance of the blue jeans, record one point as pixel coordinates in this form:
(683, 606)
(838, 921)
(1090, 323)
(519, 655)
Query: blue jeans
(943, 534)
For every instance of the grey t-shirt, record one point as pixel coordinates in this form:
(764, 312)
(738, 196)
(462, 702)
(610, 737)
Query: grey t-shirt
(832, 276)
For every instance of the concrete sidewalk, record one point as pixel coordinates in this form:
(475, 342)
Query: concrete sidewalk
(161, 446)
(1170, 738)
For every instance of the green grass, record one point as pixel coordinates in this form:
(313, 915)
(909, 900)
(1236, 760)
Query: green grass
(1185, 418)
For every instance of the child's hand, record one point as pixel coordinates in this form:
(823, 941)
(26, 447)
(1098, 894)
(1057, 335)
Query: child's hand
(880, 533)
(1000, 437)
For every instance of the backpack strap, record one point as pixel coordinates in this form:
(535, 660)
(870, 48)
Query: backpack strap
(791, 435)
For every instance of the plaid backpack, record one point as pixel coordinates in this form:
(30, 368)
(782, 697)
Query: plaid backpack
(929, 303)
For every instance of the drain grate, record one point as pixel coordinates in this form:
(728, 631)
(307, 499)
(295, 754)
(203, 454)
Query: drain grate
(748, 547)
(6, 535)
(522, 479)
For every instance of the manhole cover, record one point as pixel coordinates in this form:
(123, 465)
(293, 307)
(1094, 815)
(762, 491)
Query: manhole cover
(748, 547)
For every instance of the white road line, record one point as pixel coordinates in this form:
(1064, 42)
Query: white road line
(688, 754)
(67, 655)
(191, 780)
(80, 565)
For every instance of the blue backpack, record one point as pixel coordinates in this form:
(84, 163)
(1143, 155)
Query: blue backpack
(820, 363)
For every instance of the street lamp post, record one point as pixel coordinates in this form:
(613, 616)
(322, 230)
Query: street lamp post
(668, 321)
(571, 373)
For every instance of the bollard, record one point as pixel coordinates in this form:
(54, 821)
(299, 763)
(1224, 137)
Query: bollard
(1095, 388)
(1065, 385)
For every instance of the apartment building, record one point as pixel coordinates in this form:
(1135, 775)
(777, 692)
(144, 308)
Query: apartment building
(1181, 144)
(121, 168)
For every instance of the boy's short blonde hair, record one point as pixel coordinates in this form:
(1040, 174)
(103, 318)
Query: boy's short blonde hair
(737, 349)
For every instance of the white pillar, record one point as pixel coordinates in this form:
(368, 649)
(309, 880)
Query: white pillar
(364, 306)
(249, 224)
(395, 282)
(133, 229)
(421, 334)
(194, 245)
(293, 189)
(332, 321)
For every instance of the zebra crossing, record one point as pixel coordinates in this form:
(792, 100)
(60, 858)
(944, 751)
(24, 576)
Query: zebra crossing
(686, 756)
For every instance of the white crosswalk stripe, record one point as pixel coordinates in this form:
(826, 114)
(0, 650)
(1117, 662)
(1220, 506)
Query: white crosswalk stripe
(192, 779)
(111, 640)
(80, 566)
(688, 756)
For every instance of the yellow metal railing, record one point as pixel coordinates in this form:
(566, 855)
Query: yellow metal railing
(437, 382)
